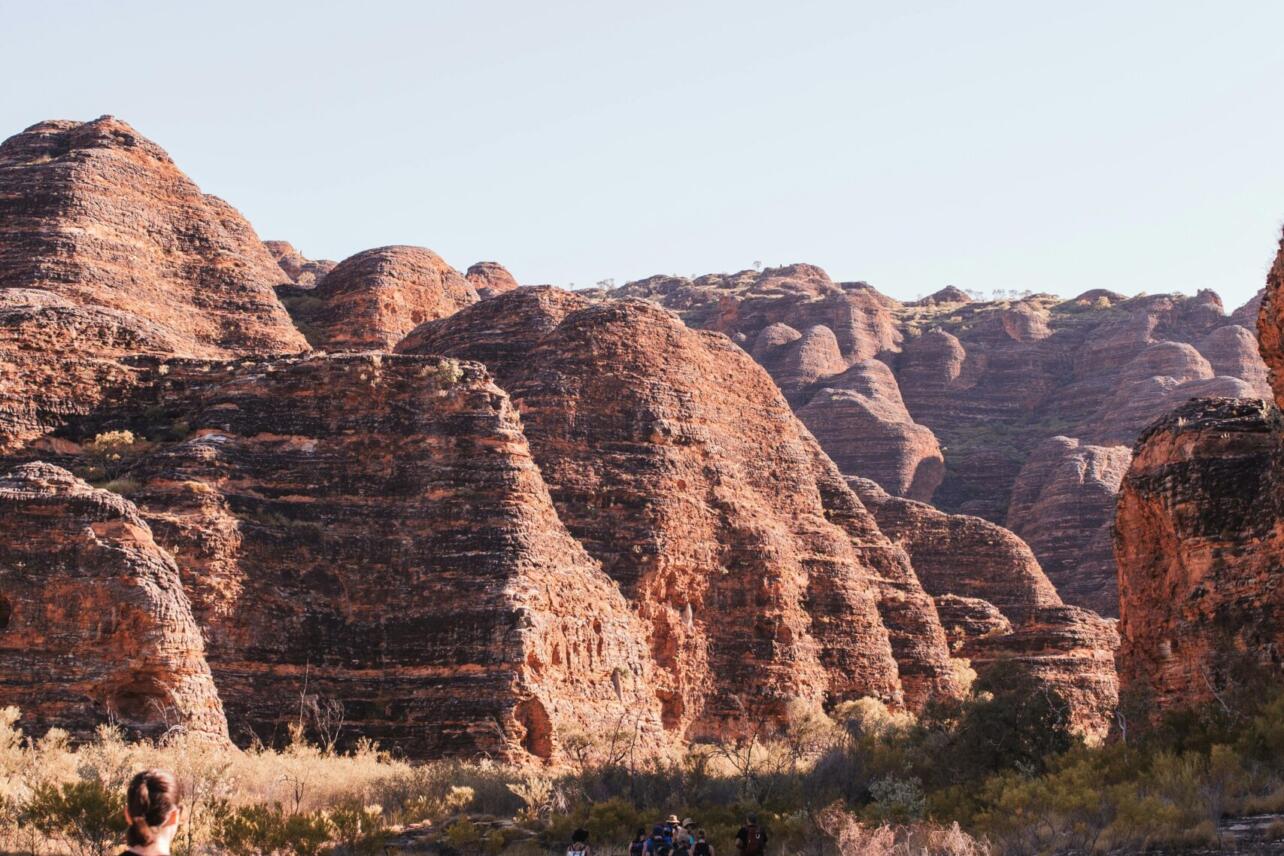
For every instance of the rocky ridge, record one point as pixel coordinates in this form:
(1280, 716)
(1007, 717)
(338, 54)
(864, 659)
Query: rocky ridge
(590, 517)
(978, 388)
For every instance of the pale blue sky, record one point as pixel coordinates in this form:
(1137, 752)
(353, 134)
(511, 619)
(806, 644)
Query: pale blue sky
(1051, 146)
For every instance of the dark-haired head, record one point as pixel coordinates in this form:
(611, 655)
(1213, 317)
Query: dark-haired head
(151, 808)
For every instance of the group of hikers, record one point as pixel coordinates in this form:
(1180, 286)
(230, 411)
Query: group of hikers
(152, 810)
(680, 838)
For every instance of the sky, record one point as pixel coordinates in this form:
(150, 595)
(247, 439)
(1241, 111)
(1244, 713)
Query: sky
(1053, 147)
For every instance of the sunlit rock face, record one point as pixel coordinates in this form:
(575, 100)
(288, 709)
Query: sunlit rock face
(95, 626)
(302, 271)
(980, 391)
(998, 607)
(677, 463)
(371, 531)
(98, 215)
(1199, 539)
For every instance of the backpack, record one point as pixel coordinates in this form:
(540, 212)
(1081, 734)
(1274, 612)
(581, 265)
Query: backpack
(701, 849)
(755, 841)
(577, 849)
(637, 848)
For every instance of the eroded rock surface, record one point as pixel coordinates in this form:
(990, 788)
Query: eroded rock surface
(94, 624)
(979, 386)
(676, 462)
(998, 607)
(1200, 539)
(818, 339)
(1199, 546)
(370, 301)
(861, 422)
(302, 271)
(99, 215)
(1063, 507)
(371, 530)
(490, 279)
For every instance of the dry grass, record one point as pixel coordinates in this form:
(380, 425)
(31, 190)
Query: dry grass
(855, 838)
(216, 777)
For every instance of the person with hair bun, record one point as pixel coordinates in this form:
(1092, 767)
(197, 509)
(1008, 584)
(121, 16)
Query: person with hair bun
(153, 808)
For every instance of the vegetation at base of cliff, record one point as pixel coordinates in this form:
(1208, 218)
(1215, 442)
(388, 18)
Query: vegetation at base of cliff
(997, 773)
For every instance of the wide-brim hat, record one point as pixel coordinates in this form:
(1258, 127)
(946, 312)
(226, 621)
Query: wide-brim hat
(688, 822)
(673, 818)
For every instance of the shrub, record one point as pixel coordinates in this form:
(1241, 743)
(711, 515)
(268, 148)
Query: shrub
(359, 829)
(87, 817)
(896, 801)
(260, 829)
(463, 835)
(110, 453)
(123, 486)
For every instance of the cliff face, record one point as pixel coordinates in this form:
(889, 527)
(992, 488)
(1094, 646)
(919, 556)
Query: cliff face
(94, 623)
(861, 422)
(998, 607)
(1199, 545)
(59, 359)
(1063, 507)
(100, 216)
(977, 390)
(1200, 538)
(106, 248)
(676, 462)
(371, 530)
(1270, 325)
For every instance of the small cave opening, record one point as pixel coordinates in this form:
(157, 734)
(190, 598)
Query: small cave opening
(538, 736)
(6, 613)
(140, 704)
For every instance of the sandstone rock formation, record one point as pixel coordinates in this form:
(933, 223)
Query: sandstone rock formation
(979, 385)
(1200, 539)
(817, 339)
(370, 301)
(547, 513)
(676, 462)
(998, 607)
(94, 623)
(300, 270)
(861, 422)
(490, 279)
(1199, 547)
(1063, 507)
(371, 530)
(100, 216)
(58, 359)
(1270, 326)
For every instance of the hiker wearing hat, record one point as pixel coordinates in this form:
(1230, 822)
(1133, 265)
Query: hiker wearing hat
(683, 840)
